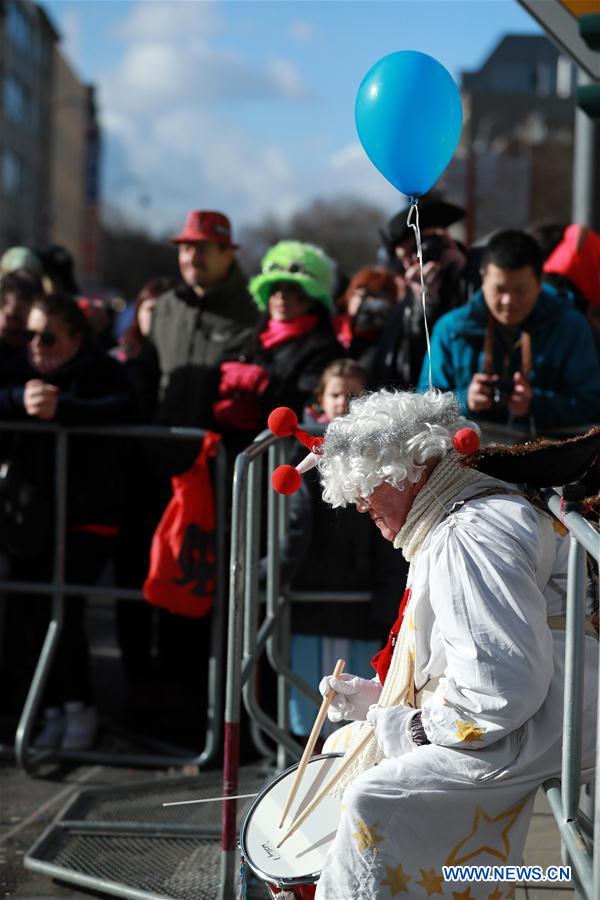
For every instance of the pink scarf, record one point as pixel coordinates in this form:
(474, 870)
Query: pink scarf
(279, 332)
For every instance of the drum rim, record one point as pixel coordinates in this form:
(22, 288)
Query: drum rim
(310, 877)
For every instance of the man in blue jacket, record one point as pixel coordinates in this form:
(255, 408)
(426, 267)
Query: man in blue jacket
(517, 352)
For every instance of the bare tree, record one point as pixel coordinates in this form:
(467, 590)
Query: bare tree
(130, 257)
(346, 228)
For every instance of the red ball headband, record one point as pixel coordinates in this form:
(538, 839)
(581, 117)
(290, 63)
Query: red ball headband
(283, 422)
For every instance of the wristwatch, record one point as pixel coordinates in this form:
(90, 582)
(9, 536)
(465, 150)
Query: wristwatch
(417, 732)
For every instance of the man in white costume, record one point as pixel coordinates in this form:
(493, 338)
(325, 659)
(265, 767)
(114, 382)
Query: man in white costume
(466, 709)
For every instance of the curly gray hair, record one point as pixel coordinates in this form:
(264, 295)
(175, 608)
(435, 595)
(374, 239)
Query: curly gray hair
(387, 436)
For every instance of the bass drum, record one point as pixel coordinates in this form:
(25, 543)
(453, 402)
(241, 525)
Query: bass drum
(294, 869)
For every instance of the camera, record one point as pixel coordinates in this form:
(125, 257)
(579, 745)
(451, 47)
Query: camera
(372, 314)
(501, 391)
(432, 247)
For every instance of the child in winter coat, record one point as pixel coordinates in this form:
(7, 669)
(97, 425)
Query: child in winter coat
(334, 550)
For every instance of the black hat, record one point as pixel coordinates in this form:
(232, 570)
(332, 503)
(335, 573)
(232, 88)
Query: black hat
(432, 214)
(540, 463)
(58, 265)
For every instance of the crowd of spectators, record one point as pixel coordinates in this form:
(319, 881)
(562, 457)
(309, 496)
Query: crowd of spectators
(513, 330)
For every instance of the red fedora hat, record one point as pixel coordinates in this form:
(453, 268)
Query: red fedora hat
(205, 225)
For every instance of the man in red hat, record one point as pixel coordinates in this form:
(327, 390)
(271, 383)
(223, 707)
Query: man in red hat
(202, 322)
(195, 327)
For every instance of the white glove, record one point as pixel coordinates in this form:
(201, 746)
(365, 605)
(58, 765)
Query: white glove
(392, 728)
(353, 696)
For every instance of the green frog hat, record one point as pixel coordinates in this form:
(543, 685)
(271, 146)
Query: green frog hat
(302, 264)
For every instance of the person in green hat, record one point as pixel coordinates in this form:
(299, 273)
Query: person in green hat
(294, 341)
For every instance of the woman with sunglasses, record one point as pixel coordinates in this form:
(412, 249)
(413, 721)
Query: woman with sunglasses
(71, 383)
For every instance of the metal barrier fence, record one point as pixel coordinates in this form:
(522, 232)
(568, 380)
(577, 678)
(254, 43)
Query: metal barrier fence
(246, 642)
(580, 834)
(168, 755)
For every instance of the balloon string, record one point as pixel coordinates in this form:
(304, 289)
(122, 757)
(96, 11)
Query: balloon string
(415, 227)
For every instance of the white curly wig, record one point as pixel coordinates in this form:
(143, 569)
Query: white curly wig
(387, 436)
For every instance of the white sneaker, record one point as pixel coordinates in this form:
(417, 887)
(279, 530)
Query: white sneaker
(81, 725)
(53, 728)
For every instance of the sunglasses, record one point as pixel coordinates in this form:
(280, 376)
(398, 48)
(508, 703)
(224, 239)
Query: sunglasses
(294, 268)
(47, 338)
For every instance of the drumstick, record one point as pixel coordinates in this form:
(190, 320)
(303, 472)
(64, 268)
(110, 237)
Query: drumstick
(312, 740)
(334, 778)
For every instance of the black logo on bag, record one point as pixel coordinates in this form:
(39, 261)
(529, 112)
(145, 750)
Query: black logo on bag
(197, 560)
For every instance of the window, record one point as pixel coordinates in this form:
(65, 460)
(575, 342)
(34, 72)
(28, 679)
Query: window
(18, 25)
(13, 173)
(17, 100)
(564, 77)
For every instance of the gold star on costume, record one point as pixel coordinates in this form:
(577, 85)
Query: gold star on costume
(467, 732)
(487, 835)
(495, 895)
(431, 882)
(342, 738)
(397, 880)
(463, 895)
(366, 836)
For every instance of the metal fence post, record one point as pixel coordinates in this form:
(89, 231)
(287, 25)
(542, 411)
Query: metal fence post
(55, 626)
(214, 711)
(573, 696)
(563, 795)
(231, 734)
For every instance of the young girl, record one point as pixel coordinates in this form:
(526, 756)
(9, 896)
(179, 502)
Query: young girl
(334, 550)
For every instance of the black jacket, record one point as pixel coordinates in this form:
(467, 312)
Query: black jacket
(14, 370)
(295, 366)
(94, 390)
(339, 550)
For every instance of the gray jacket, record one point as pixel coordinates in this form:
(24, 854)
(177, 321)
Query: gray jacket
(192, 336)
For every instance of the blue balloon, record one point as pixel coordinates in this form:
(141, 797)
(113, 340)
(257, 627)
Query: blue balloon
(409, 119)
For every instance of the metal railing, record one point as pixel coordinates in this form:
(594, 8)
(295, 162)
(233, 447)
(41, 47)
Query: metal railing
(580, 836)
(168, 755)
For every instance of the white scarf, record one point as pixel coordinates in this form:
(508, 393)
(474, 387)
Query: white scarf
(447, 480)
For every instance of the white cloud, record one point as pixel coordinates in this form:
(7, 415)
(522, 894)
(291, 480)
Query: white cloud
(347, 156)
(287, 78)
(161, 20)
(172, 131)
(169, 120)
(302, 31)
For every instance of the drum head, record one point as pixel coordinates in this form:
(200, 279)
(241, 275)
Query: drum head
(300, 860)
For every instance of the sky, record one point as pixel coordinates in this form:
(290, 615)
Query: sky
(248, 105)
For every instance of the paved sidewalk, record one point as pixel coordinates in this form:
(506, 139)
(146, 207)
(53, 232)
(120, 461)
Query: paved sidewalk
(30, 804)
